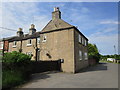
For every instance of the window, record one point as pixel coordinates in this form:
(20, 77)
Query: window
(80, 38)
(38, 40)
(1, 45)
(85, 42)
(14, 44)
(44, 39)
(29, 53)
(80, 55)
(86, 56)
(29, 42)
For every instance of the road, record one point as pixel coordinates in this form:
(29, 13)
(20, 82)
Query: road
(103, 75)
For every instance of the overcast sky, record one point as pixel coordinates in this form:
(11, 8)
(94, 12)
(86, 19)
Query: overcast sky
(98, 21)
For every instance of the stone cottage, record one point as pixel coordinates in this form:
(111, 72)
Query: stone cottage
(57, 40)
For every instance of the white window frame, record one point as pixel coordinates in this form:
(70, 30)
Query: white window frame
(14, 44)
(28, 42)
(29, 53)
(79, 38)
(38, 40)
(86, 55)
(80, 55)
(83, 40)
(1, 45)
(44, 38)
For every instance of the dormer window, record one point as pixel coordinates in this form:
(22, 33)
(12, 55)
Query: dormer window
(14, 44)
(29, 43)
(44, 39)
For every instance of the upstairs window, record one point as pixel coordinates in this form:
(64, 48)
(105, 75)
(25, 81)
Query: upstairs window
(79, 38)
(85, 42)
(14, 44)
(80, 55)
(82, 40)
(44, 38)
(38, 40)
(29, 42)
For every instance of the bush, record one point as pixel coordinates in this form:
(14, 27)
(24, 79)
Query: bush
(16, 68)
(93, 52)
(16, 57)
(11, 78)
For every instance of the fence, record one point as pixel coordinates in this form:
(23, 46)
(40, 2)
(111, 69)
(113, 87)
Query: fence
(42, 66)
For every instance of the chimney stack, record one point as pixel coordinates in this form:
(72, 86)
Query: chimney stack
(32, 29)
(56, 14)
(19, 32)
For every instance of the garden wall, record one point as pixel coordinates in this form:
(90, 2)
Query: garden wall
(42, 66)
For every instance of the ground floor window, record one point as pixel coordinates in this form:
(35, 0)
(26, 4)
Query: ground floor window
(29, 53)
(80, 55)
(86, 55)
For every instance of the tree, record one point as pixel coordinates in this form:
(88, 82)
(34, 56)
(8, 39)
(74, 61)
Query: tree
(93, 52)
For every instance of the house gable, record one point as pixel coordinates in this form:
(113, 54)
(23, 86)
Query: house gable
(56, 24)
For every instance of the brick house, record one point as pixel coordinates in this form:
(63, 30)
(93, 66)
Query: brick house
(57, 40)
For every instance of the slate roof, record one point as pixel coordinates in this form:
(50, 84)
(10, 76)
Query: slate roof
(24, 37)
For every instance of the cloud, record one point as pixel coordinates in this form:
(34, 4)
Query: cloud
(84, 10)
(109, 22)
(61, 1)
(104, 42)
(20, 14)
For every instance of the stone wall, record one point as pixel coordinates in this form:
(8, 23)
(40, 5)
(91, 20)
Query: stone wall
(59, 45)
(79, 64)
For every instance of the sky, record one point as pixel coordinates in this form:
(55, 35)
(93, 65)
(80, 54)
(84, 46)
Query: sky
(98, 21)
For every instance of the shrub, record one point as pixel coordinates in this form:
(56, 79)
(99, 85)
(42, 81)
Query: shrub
(16, 68)
(16, 57)
(93, 52)
(11, 78)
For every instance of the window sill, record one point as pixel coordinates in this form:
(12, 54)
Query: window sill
(29, 45)
(43, 41)
(14, 46)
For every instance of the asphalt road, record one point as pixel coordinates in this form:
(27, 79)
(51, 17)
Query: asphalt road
(104, 75)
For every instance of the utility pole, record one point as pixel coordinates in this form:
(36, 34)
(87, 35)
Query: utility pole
(115, 52)
(115, 49)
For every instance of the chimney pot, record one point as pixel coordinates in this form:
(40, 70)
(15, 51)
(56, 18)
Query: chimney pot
(19, 32)
(32, 26)
(19, 29)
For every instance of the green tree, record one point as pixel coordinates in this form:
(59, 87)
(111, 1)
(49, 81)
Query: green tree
(93, 52)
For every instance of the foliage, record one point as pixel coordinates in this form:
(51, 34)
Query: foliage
(16, 57)
(11, 78)
(16, 67)
(93, 52)
(104, 57)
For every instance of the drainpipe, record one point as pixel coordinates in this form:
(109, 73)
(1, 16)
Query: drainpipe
(36, 49)
(3, 47)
